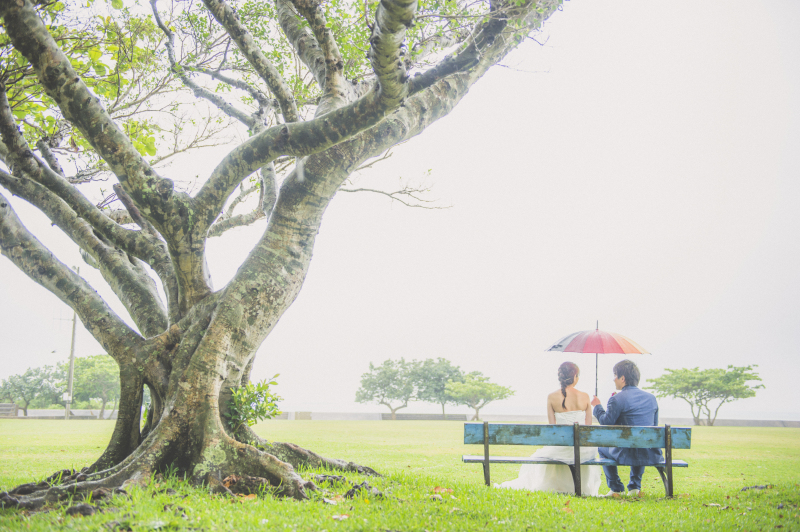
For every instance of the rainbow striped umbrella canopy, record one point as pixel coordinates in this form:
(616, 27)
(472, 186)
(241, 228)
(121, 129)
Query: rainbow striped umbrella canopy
(597, 342)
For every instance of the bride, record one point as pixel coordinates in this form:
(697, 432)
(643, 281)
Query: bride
(564, 407)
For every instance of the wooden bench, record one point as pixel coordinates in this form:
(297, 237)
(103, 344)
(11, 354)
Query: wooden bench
(8, 410)
(576, 436)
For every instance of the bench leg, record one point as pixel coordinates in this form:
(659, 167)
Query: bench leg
(664, 480)
(486, 453)
(576, 478)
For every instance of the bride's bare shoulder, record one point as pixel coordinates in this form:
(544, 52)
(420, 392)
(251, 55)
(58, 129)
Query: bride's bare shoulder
(554, 394)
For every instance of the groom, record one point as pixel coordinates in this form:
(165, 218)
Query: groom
(633, 407)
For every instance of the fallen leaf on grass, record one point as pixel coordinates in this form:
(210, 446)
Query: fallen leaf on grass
(568, 510)
(328, 501)
(250, 497)
(230, 480)
(436, 497)
(567, 503)
(439, 489)
(712, 504)
(339, 517)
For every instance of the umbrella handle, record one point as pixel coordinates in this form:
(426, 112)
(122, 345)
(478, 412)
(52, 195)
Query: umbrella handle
(595, 374)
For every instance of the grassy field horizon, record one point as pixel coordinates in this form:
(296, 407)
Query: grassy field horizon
(418, 460)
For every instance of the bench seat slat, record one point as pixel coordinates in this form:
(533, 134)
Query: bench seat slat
(590, 436)
(475, 459)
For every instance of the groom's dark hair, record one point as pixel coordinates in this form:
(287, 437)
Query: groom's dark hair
(627, 369)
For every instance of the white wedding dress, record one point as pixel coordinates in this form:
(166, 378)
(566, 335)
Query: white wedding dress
(558, 478)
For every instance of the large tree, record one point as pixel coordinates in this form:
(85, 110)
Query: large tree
(325, 88)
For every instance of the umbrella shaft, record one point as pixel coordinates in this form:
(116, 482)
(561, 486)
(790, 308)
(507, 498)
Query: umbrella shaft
(595, 374)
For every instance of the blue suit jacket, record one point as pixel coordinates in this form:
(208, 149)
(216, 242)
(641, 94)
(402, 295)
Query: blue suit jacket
(633, 407)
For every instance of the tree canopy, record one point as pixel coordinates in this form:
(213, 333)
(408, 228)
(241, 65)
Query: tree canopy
(391, 384)
(702, 388)
(95, 377)
(431, 378)
(35, 384)
(107, 91)
(475, 391)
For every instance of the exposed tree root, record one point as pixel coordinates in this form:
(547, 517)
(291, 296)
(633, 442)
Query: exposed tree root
(300, 457)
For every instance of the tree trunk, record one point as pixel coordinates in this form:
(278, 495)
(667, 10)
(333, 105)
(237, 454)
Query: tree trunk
(444, 416)
(477, 415)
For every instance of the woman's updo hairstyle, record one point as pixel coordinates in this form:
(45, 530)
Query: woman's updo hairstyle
(566, 376)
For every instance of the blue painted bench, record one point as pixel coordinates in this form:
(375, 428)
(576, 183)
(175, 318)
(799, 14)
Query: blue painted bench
(576, 436)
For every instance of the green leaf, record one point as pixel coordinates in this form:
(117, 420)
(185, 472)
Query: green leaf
(116, 4)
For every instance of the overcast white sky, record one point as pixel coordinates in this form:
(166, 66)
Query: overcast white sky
(640, 168)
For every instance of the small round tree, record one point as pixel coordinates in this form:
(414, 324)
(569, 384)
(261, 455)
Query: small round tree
(391, 384)
(475, 391)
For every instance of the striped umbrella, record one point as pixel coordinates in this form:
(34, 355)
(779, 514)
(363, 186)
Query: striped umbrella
(597, 342)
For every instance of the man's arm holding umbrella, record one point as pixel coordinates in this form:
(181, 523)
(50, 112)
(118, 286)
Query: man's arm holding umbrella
(607, 417)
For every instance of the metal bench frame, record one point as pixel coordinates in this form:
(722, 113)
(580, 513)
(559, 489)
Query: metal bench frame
(664, 468)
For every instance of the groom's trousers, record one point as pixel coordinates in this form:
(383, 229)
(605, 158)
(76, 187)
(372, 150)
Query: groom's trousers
(612, 476)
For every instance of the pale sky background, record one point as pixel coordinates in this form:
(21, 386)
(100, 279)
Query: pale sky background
(640, 168)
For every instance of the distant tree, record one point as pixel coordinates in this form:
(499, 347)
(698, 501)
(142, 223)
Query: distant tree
(702, 387)
(388, 384)
(96, 377)
(475, 391)
(35, 383)
(431, 378)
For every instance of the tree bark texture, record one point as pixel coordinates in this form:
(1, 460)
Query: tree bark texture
(192, 349)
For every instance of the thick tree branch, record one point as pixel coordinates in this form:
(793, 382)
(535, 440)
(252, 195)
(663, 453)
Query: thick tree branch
(489, 41)
(391, 20)
(146, 247)
(296, 139)
(126, 277)
(38, 263)
(337, 91)
(31, 38)
(302, 40)
(266, 70)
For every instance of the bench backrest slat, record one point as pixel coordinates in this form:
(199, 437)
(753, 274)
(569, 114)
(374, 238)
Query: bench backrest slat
(590, 436)
(511, 434)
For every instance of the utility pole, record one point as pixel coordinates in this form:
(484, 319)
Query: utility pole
(68, 395)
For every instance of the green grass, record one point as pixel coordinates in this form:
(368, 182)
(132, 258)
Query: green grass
(416, 457)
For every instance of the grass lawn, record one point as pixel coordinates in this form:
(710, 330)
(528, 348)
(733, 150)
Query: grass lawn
(416, 457)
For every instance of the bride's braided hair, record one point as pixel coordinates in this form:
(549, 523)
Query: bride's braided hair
(566, 376)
